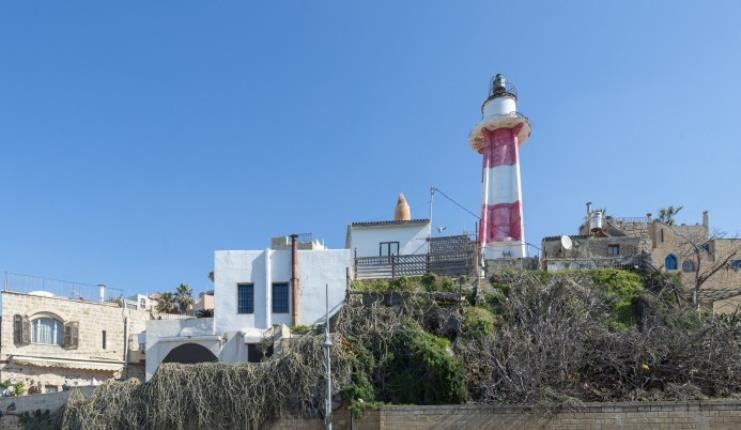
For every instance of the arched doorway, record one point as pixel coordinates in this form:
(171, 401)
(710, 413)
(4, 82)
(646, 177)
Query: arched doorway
(190, 353)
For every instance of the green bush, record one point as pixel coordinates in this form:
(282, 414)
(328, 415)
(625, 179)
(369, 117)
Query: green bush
(428, 283)
(432, 283)
(478, 321)
(422, 370)
(17, 388)
(303, 329)
(622, 288)
(386, 285)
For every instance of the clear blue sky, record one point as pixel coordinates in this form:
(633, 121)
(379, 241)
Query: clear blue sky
(138, 137)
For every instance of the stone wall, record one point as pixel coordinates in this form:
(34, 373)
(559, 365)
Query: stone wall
(726, 278)
(496, 265)
(12, 407)
(588, 252)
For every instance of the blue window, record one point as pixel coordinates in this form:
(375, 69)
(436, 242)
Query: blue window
(671, 262)
(735, 264)
(280, 297)
(245, 299)
(688, 266)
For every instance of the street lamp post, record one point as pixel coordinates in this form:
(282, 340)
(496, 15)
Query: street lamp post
(327, 344)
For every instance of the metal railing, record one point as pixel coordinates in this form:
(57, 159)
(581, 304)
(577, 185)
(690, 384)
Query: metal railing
(456, 263)
(71, 290)
(392, 266)
(627, 219)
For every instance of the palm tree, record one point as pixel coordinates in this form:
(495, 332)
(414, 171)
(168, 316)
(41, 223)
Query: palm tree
(166, 304)
(666, 215)
(184, 297)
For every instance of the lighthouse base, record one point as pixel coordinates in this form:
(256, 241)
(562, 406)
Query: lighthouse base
(497, 250)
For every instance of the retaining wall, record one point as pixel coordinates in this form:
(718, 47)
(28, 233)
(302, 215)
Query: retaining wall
(704, 415)
(700, 415)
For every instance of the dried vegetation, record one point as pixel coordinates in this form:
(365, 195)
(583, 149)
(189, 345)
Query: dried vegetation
(534, 338)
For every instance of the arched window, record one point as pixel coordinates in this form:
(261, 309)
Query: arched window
(671, 262)
(47, 330)
(688, 266)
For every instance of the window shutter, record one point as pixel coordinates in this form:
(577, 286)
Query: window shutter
(17, 329)
(71, 334)
(25, 330)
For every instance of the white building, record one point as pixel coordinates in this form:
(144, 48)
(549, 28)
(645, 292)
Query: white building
(140, 302)
(400, 236)
(388, 249)
(254, 299)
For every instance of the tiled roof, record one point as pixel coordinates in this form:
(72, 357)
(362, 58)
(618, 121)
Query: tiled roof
(420, 221)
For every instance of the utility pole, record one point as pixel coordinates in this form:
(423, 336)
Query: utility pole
(327, 344)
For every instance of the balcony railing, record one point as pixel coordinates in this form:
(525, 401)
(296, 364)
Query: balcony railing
(448, 263)
(78, 291)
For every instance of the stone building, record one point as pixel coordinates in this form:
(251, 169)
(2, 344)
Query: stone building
(50, 342)
(650, 244)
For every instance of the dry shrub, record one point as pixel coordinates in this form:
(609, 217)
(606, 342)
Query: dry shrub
(214, 395)
(558, 340)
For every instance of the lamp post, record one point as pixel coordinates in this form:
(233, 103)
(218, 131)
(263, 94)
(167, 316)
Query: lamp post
(327, 344)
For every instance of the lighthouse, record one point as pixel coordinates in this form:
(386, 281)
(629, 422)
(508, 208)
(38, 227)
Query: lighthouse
(497, 137)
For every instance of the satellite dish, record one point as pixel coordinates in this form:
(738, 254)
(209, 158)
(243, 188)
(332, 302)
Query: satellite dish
(566, 243)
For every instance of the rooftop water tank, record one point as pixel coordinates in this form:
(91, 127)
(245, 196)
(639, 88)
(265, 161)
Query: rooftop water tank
(595, 221)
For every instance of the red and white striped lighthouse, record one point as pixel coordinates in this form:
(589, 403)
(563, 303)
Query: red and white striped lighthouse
(498, 137)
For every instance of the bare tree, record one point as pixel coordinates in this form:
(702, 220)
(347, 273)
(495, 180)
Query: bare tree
(708, 259)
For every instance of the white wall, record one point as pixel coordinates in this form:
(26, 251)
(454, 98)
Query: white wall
(228, 332)
(262, 268)
(412, 238)
(160, 333)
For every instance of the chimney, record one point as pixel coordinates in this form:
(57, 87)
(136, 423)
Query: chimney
(402, 212)
(649, 217)
(588, 223)
(294, 280)
(101, 293)
(706, 220)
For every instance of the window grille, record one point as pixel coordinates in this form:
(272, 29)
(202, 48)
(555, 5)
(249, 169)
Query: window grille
(281, 300)
(245, 298)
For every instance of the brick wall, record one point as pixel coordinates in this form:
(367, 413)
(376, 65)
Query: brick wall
(606, 416)
(700, 415)
(705, 415)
